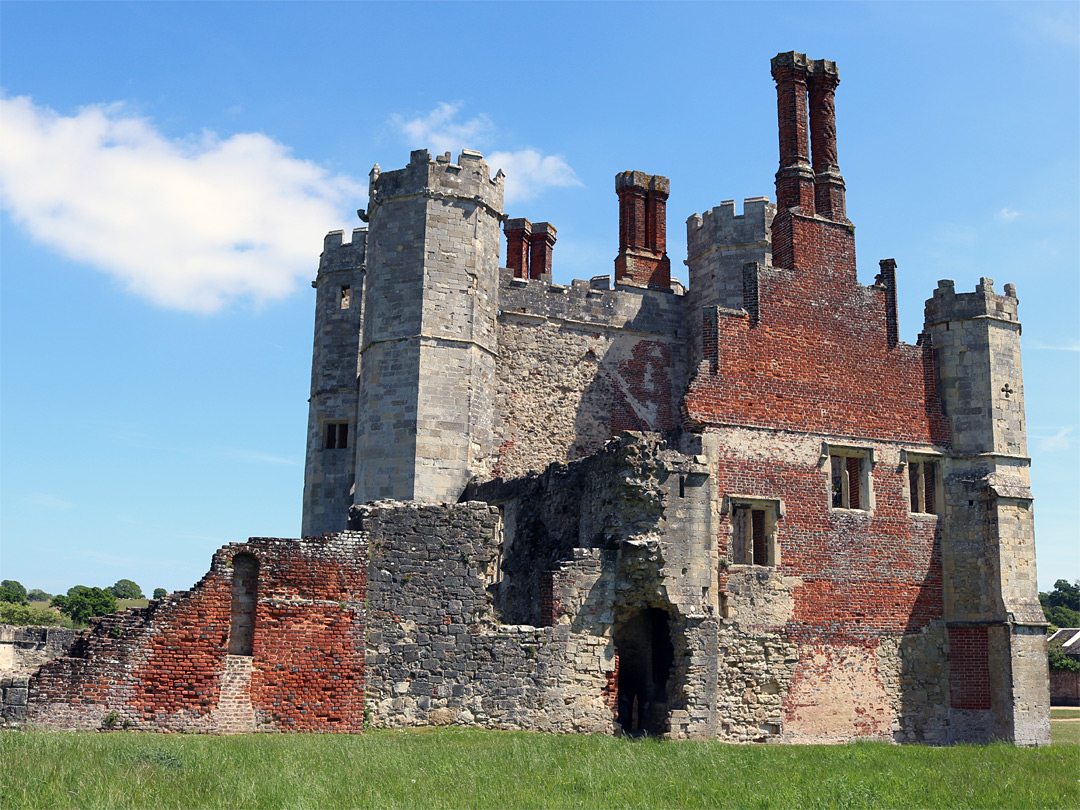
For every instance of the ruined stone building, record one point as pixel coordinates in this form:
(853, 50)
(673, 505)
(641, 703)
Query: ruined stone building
(741, 509)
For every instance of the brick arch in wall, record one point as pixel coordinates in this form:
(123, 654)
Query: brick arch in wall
(245, 587)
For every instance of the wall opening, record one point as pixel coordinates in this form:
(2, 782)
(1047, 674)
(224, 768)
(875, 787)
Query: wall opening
(643, 643)
(245, 586)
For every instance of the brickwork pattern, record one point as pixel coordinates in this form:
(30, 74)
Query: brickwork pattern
(166, 667)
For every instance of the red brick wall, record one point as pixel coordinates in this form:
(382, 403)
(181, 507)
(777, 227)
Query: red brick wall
(161, 667)
(863, 574)
(818, 361)
(969, 668)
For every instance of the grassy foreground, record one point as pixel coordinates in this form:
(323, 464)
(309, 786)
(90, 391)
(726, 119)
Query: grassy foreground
(452, 768)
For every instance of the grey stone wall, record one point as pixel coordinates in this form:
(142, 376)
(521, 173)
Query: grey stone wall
(578, 364)
(24, 649)
(13, 700)
(437, 654)
(430, 303)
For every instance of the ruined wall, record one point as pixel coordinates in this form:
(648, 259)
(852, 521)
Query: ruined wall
(620, 547)
(579, 364)
(24, 649)
(437, 654)
(173, 666)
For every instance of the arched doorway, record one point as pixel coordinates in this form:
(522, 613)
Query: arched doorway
(643, 642)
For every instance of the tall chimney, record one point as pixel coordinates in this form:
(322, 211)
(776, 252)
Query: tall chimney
(828, 183)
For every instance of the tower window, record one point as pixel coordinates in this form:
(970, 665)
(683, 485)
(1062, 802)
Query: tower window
(346, 296)
(337, 435)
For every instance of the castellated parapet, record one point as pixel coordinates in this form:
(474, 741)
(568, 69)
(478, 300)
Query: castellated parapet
(744, 511)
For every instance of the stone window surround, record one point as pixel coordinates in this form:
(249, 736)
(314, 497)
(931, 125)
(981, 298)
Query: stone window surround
(867, 499)
(774, 509)
(910, 457)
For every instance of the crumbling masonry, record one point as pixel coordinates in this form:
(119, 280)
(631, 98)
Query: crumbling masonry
(741, 510)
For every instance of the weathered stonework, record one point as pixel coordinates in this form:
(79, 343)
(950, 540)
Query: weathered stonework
(24, 649)
(744, 510)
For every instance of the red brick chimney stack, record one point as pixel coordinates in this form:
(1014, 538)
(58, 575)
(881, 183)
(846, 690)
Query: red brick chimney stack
(828, 183)
(517, 246)
(795, 178)
(541, 246)
(643, 259)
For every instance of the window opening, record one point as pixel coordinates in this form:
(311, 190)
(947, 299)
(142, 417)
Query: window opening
(245, 568)
(922, 486)
(753, 533)
(337, 435)
(850, 479)
(346, 296)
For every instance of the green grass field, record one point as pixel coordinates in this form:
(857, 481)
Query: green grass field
(450, 768)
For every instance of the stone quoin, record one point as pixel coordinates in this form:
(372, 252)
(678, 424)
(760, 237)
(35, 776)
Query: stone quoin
(742, 509)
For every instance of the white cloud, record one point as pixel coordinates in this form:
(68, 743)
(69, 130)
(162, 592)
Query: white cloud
(1036, 344)
(439, 131)
(1007, 214)
(528, 172)
(1062, 440)
(188, 225)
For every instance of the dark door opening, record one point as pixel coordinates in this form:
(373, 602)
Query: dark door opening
(645, 653)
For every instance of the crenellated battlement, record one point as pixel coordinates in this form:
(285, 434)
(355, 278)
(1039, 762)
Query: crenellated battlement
(722, 227)
(949, 305)
(341, 255)
(468, 179)
(626, 306)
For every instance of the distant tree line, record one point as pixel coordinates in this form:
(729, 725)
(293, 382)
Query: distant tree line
(79, 605)
(1061, 607)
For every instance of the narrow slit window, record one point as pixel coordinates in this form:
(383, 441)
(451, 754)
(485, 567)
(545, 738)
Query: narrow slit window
(346, 296)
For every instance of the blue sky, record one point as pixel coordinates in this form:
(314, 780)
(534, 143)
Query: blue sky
(168, 171)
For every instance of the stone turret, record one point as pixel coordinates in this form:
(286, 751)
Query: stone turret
(331, 440)
(428, 348)
(997, 658)
(719, 245)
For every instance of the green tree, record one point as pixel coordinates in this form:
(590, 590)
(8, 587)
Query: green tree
(27, 615)
(82, 603)
(1061, 616)
(12, 591)
(1061, 606)
(160, 593)
(126, 589)
(37, 595)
